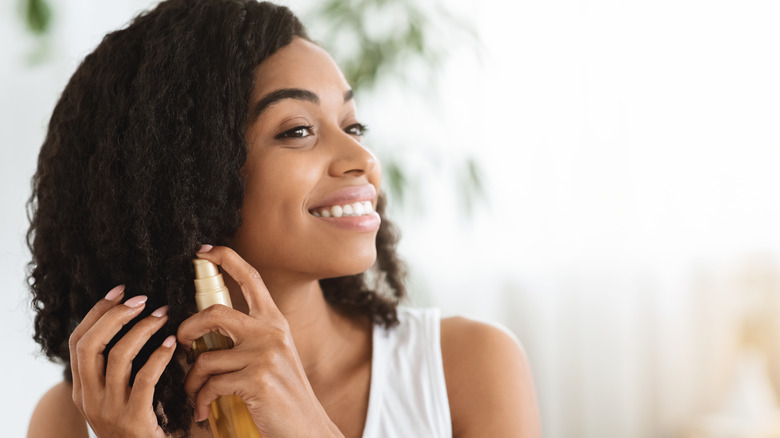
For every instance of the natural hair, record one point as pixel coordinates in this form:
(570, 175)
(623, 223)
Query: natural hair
(142, 163)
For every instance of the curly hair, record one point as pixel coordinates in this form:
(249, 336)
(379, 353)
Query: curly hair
(142, 163)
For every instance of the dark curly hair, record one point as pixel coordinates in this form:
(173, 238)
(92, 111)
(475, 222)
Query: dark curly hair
(142, 163)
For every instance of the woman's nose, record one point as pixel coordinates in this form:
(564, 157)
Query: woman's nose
(351, 157)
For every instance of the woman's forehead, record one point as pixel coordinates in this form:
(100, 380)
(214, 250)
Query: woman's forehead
(300, 64)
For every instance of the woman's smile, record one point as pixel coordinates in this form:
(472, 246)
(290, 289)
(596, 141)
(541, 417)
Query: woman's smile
(351, 208)
(367, 222)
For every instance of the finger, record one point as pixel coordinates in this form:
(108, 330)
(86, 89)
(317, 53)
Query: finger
(91, 346)
(110, 300)
(120, 360)
(217, 318)
(248, 278)
(142, 394)
(209, 364)
(217, 386)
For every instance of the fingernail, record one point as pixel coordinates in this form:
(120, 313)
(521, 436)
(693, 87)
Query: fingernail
(169, 342)
(115, 293)
(162, 311)
(136, 301)
(205, 248)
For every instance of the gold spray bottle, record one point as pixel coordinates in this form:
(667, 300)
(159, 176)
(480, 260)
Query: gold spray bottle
(229, 417)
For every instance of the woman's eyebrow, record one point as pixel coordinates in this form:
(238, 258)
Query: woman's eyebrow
(290, 93)
(284, 93)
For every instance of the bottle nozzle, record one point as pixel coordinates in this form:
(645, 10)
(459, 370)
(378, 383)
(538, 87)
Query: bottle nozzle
(209, 286)
(204, 268)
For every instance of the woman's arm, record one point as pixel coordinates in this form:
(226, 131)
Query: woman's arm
(56, 415)
(489, 382)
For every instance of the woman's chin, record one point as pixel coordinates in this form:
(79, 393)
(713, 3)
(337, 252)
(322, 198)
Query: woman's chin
(354, 266)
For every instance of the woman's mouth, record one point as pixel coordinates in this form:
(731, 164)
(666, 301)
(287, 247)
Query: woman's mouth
(360, 208)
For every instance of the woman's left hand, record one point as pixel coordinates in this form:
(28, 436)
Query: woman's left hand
(263, 367)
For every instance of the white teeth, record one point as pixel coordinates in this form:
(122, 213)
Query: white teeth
(355, 209)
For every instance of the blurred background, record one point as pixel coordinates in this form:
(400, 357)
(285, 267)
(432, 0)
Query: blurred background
(600, 177)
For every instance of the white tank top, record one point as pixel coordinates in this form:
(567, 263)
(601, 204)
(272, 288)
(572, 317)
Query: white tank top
(408, 396)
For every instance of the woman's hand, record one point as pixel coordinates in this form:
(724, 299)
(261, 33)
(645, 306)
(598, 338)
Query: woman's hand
(111, 407)
(263, 367)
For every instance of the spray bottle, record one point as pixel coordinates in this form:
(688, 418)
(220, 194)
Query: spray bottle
(229, 417)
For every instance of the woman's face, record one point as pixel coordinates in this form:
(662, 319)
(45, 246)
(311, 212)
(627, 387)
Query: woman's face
(306, 166)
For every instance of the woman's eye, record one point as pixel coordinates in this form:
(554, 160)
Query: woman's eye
(357, 129)
(297, 132)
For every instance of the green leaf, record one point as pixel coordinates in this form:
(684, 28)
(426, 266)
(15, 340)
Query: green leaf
(396, 180)
(37, 15)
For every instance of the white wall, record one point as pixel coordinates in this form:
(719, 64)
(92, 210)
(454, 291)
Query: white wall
(630, 153)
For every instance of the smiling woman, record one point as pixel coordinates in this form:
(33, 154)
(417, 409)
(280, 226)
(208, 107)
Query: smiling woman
(219, 122)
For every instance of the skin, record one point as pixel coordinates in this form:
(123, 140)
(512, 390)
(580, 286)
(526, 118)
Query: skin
(298, 363)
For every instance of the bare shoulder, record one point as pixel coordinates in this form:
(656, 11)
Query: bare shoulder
(489, 381)
(56, 415)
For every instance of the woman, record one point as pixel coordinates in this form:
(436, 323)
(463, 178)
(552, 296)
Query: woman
(218, 122)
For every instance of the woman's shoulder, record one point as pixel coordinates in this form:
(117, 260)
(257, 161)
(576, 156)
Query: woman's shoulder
(459, 332)
(56, 415)
(489, 382)
(471, 346)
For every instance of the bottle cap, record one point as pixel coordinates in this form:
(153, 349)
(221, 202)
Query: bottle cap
(210, 287)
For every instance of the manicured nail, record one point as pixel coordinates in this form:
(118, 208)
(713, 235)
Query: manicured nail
(162, 311)
(205, 248)
(169, 342)
(136, 301)
(115, 293)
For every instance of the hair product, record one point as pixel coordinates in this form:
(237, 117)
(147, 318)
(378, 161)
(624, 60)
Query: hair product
(229, 417)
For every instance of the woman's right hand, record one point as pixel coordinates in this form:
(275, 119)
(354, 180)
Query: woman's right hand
(101, 388)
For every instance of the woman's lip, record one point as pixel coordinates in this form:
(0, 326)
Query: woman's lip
(347, 195)
(365, 223)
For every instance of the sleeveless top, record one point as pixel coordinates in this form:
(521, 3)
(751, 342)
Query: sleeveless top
(408, 395)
